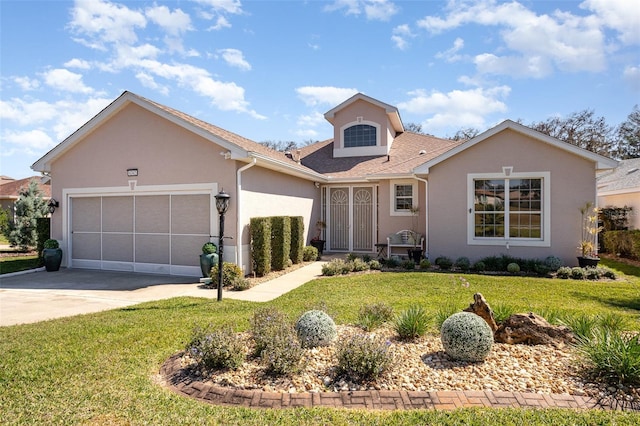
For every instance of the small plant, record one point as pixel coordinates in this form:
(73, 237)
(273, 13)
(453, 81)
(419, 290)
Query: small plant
(553, 316)
(315, 328)
(412, 323)
(230, 273)
(444, 263)
(359, 265)
(577, 273)
(240, 284)
(51, 244)
(513, 268)
(466, 337)
(502, 311)
(589, 219)
(283, 352)
(375, 265)
(425, 264)
(264, 324)
(445, 312)
(408, 264)
(582, 326)
(463, 263)
(553, 263)
(392, 262)
(209, 248)
(363, 357)
(334, 267)
(564, 272)
(309, 254)
(352, 256)
(479, 266)
(216, 348)
(373, 316)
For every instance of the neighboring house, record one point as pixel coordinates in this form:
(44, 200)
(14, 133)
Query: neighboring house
(621, 187)
(136, 186)
(10, 191)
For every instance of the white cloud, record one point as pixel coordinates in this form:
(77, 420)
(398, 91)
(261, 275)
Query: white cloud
(324, 95)
(26, 83)
(78, 63)
(623, 16)
(536, 43)
(235, 58)
(451, 55)
(65, 80)
(631, 75)
(375, 10)
(456, 109)
(307, 133)
(148, 81)
(310, 120)
(174, 23)
(221, 23)
(103, 22)
(399, 36)
(228, 6)
(31, 142)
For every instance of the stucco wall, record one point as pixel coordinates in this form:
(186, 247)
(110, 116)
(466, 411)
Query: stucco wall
(368, 112)
(572, 184)
(631, 199)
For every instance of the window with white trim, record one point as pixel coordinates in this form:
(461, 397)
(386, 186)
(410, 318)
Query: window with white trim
(360, 135)
(513, 208)
(404, 195)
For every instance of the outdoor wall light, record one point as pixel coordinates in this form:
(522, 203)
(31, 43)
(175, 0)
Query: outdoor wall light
(222, 204)
(53, 205)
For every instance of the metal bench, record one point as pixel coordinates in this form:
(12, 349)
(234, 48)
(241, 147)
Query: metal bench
(405, 239)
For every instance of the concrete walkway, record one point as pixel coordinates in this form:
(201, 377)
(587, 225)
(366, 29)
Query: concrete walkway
(38, 296)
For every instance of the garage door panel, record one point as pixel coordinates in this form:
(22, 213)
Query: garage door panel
(186, 249)
(152, 249)
(190, 214)
(117, 247)
(152, 214)
(117, 214)
(86, 214)
(86, 246)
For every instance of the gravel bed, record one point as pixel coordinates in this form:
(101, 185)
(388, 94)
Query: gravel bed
(419, 365)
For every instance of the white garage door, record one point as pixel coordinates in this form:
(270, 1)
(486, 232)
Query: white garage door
(142, 233)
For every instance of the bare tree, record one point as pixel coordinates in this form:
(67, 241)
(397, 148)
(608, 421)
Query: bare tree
(281, 146)
(465, 134)
(414, 128)
(628, 136)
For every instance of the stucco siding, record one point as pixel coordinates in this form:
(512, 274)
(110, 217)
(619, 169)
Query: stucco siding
(368, 112)
(572, 183)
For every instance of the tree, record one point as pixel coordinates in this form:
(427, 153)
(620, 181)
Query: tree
(629, 136)
(465, 134)
(21, 232)
(414, 128)
(282, 146)
(582, 129)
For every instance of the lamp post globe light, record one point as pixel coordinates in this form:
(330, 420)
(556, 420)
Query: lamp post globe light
(222, 204)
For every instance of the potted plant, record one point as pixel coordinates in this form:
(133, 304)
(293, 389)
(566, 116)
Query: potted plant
(316, 241)
(588, 244)
(414, 253)
(52, 255)
(208, 258)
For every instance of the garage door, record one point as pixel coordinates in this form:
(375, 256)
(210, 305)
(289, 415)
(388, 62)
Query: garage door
(143, 233)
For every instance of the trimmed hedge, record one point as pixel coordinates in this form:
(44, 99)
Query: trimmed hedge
(260, 228)
(43, 230)
(624, 243)
(297, 239)
(280, 242)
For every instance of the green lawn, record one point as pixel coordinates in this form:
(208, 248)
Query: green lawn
(19, 263)
(100, 368)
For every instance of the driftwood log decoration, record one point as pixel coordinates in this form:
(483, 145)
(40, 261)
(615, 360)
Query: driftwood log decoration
(532, 329)
(481, 308)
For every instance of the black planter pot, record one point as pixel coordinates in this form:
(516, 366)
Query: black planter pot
(207, 261)
(52, 259)
(588, 262)
(319, 244)
(415, 255)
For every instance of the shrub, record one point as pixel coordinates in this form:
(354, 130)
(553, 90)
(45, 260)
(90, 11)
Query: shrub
(479, 266)
(612, 355)
(260, 231)
(220, 348)
(513, 268)
(315, 328)
(297, 239)
(359, 265)
(265, 324)
(582, 326)
(230, 273)
(553, 263)
(577, 273)
(240, 284)
(374, 315)
(333, 267)
(425, 264)
(375, 265)
(309, 254)
(444, 263)
(209, 248)
(564, 272)
(553, 316)
(408, 264)
(51, 244)
(412, 323)
(463, 263)
(283, 352)
(280, 242)
(392, 262)
(363, 357)
(466, 337)
(351, 257)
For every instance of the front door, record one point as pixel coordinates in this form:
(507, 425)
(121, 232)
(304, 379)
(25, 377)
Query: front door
(351, 219)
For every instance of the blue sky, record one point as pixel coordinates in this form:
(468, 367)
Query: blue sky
(269, 70)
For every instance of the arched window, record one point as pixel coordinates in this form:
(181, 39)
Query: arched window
(359, 135)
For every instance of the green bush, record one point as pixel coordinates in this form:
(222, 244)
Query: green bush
(392, 262)
(43, 231)
(425, 264)
(553, 263)
(466, 337)
(444, 263)
(333, 267)
(612, 355)
(240, 284)
(260, 229)
(577, 273)
(412, 323)
(315, 328)
(363, 357)
(230, 273)
(513, 268)
(463, 263)
(581, 325)
(51, 244)
(266, 323)
(408, 264)
(310, 254)
(445, 312)
(374, 315)
(351, 257)
(375, 265)
(283, 353)
(209, 248)
(359, 265)
(216, 348)
(296, 253)
(479, 266)
(623, 243)
(564, 272)
(280, 242)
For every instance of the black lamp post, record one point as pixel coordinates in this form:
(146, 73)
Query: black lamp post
(222, 204)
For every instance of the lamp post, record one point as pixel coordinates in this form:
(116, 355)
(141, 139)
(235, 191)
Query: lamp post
(222, 204)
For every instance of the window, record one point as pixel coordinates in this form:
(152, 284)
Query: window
(404, 197)
(513, 209)
(360, 135)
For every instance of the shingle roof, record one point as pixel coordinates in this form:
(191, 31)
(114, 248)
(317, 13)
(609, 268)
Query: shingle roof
(404, 156)
(12, 189)
(624, 177)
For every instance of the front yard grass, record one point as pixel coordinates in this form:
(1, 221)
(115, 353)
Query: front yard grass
(18, 263)
(102, 368)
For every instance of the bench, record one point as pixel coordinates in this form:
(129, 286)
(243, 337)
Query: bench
(404, 239)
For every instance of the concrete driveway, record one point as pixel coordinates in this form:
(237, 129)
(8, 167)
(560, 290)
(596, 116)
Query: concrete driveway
(38, 296)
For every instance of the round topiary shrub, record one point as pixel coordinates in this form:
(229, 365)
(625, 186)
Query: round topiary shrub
(466, 337)
(553, 262)
(463, 263)
(444, 263)
(479, 266)
(315, 328)
(513, 268)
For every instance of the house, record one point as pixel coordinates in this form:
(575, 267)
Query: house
(10, 191)
(621, 187)
(136, 186)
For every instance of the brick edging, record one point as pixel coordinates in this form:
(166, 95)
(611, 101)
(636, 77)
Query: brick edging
(177, 380)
